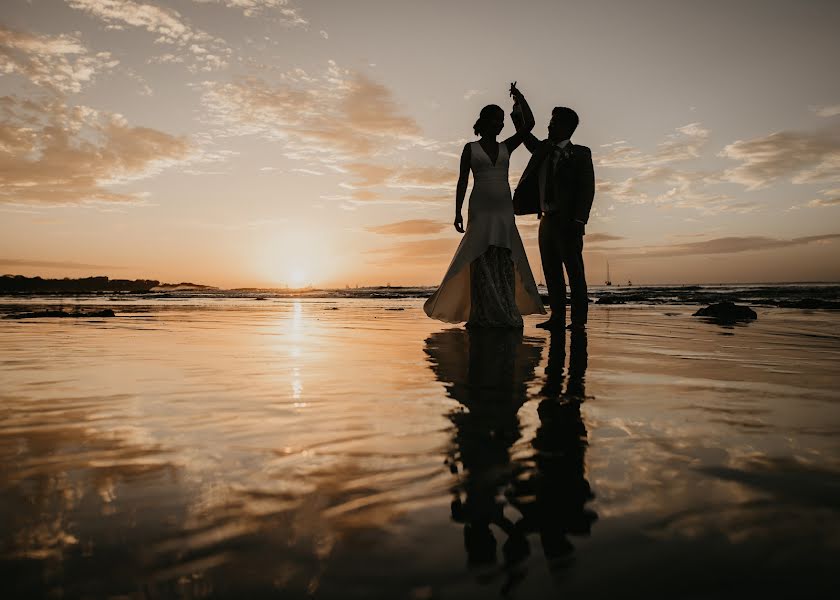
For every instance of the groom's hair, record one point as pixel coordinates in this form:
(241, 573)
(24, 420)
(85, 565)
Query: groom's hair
(566, 118)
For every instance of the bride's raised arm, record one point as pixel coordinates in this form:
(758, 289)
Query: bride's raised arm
(523, 121)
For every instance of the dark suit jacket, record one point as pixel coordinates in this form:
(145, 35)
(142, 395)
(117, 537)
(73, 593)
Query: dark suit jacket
(574, 180)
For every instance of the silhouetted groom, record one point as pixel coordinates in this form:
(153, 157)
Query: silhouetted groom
(558, 185)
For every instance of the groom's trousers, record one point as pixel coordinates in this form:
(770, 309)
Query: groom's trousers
(561, 245)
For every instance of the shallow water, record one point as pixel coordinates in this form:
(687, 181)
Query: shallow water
(352, 448)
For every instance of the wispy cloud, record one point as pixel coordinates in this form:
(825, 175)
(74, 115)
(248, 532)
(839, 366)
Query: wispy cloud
(685, 143)
(403, 177)
(50, 264)
(803, 157)
(205, 51)
(826, 111)
(428, 252)
(829, 198)
(409, 227)
(339, 119)
(282, 9)
(722, 245)
(676, 188)
(337, 115)
(60, 63)
(52, 154)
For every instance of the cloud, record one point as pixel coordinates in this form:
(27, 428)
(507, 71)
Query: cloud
(369, 175)
(249, 225)
(441, 178)
(804, 157)
(423, 198)
(830, 198)
(338, 115)
(684, 144)
(287, 13)
(678, 188)
(340, 119)
(723, 245)
(365, 195)
(410, 227)
(60, 63)
(470, 93)
(49, 264)
(826, 111)
(430, 178)
(206, 52)
(52, 154)
(429, 252)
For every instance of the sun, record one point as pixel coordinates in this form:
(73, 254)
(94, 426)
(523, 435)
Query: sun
(294, 258)
(297, 278)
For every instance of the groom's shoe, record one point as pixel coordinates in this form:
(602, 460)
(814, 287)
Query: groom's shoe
(552, 324)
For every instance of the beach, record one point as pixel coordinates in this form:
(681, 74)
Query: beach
(353, 448)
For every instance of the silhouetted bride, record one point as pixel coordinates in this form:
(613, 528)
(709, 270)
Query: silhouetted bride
(489, 282)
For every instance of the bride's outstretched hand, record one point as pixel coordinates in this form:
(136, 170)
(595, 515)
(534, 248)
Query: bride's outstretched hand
(515, 93)
(459, 223)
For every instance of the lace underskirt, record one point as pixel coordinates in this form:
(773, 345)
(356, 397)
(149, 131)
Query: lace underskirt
(493, 290)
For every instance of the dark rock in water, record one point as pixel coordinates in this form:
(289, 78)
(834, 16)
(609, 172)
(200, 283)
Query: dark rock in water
(62, 314)
(611, 299)
(727, 312)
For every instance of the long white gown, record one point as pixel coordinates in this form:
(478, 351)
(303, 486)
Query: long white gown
(478, 273)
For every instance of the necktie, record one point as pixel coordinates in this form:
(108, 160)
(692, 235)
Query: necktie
(549, 176)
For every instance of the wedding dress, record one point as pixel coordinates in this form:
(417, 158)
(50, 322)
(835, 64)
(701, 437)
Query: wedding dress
(489, 282)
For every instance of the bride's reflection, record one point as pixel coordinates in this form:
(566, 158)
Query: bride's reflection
(488, 372)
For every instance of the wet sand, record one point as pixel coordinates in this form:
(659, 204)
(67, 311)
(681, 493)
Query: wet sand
(353, 448)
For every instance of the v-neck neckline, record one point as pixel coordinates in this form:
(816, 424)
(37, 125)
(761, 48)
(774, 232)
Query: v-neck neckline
(498, 147)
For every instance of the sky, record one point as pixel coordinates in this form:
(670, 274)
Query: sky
(315, 142)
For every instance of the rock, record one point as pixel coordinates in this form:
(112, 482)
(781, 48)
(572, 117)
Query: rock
(727, 312)
(40, 314)
(611, 299)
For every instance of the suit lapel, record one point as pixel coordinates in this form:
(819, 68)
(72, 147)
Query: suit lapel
(536, 160)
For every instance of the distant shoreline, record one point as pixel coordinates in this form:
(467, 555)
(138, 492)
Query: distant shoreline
(780, 295)
(99, 284)
(19, 284)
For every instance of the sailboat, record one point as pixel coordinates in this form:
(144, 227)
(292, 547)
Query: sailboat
(608, 281)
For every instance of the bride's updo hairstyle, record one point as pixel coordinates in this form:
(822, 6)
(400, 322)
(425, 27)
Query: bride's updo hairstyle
(488, 114)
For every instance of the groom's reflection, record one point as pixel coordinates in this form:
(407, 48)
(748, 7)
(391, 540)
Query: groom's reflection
(488, 372)
(552, 497)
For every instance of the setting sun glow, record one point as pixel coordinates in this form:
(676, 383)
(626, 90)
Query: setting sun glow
(292, 259)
